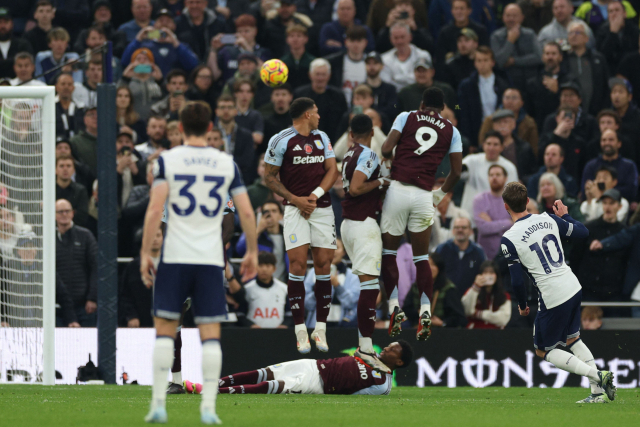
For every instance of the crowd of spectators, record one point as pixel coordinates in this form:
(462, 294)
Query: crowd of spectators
(542, 92)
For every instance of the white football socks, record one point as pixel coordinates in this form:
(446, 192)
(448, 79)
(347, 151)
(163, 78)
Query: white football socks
(176, 377)
(425, 307)
(366, 344)
(393, 303)
(320, 326)
(211, 367)
(571, 363)
(583, 353)
(162, 361)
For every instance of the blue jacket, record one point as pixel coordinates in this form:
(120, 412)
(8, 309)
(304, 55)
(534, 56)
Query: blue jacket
(165, 55)
(44, 62)
(462, 272)
(470, 103)
(569, 182)
(131, 29)
(440, 15)
(629, 239)
(264, 244)
(334, 31)
(347, 294)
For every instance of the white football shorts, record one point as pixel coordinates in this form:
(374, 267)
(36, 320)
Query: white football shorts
(406, 206)
(363, 242)
(299, 376)
(319, 230)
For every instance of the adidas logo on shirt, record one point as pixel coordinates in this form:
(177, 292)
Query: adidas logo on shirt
(297, 148)
(295, 307)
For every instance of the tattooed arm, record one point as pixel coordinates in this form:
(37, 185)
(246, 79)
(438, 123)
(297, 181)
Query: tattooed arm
(274, 184)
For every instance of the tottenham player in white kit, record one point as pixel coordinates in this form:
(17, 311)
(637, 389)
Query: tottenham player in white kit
(194, 180)
(533, 245)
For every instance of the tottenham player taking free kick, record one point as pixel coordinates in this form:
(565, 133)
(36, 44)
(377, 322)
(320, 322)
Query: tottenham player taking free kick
(304, 158)
(533, 244)
(194, 180)
(421, 139)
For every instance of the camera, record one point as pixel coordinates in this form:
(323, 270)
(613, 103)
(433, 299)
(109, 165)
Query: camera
(601, 186)
(403, 15)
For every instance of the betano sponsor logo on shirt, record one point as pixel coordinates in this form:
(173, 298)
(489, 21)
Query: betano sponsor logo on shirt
(299, 160)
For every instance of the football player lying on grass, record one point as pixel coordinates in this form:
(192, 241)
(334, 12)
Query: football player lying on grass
(342, 375)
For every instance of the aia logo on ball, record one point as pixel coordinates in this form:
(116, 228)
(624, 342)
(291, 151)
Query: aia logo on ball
(308, 148)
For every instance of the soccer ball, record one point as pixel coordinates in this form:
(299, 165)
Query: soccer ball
(274, 73)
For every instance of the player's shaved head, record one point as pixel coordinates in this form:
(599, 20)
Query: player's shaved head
(195, 118)
(361, 125)
(407, 353)
(433, 98)
(515, 196)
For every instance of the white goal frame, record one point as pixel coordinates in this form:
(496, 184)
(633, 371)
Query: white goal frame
(48, 116)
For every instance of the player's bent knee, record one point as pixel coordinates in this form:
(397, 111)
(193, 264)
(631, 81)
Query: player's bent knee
(541, 353)
(572, 340)
(209, 331)
(165, 327)
(270, 376)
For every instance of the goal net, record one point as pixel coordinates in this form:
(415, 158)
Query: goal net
(27, 245)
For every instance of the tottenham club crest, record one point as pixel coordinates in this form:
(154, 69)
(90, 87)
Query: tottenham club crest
(308, 148)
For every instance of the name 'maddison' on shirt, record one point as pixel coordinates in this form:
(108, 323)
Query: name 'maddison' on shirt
(301, 161)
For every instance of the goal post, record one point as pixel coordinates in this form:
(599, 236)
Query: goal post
(27, 140)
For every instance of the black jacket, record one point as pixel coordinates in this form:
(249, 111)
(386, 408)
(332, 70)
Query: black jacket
(76, 194)
(470, 112)
(599, 272)
(76, 263)
(585, 127)
(6, 63)
(599, 77)
(456, 70)
(69, 123)
(385, 98)
(199, 38)
(331, 106)
(526, 159)
(541, 102)
(118, 38)
(627, 240)
(574, 152)
(448, 39)
(135, 301)
(614, 46)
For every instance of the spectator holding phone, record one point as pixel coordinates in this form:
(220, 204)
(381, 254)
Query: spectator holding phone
(161, 40)
(143, 77)
(565, 136)
(228, 47)
(606, 179)
(486, 304)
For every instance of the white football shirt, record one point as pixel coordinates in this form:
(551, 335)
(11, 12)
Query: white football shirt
(266, 305)
(199, 180)
(535, 242)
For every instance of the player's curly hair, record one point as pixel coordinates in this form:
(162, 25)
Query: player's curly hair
(407, 353)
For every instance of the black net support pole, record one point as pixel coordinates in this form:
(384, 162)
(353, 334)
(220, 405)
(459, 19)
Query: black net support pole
(107, 229)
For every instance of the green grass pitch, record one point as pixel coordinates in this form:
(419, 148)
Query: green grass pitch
(123, 406)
